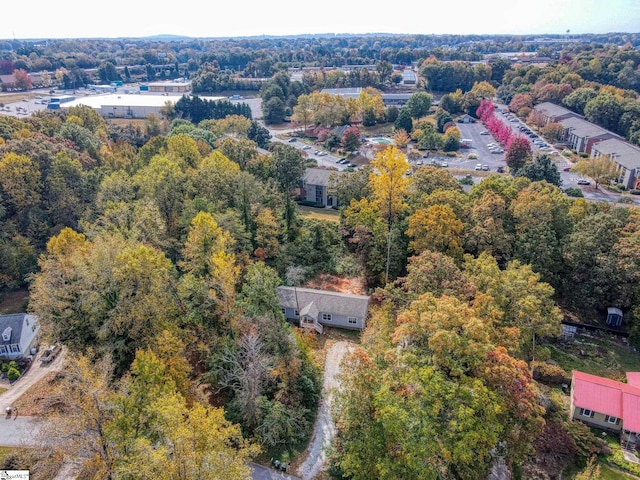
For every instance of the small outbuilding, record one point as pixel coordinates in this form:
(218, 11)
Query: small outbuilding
(614, 317)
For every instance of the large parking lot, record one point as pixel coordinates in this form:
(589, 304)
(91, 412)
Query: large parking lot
(479, 147)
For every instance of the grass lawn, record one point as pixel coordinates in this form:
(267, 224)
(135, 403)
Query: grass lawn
(2, 390)
(606, 473)
(14, 97)
(327, 214)
(597, 356)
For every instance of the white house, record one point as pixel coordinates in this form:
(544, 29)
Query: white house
(20, 333)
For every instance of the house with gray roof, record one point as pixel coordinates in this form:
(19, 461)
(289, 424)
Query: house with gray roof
(314, 186)
(312, 308)
(626, 157)
(581, 135)
(20, 333)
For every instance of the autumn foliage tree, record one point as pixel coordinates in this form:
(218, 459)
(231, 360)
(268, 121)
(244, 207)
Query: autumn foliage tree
(518, 153)
(389, 185)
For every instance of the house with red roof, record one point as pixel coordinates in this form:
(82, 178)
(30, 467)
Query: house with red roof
(608, 404)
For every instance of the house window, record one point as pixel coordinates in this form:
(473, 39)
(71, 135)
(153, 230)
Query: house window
(3, 349)
(587, 413)
(319, 194)
(15, 348)
(613, 420)
(326, 317)
(296, 313)
(284, 311)
(353, 320)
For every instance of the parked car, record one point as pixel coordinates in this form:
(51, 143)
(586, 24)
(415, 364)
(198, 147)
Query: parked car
(500, 169)
(583, 181)
(484, 132)
(291, 140)
(50, 353)
(485, 168)
(444, 164)
(478, 166)
(306, 147)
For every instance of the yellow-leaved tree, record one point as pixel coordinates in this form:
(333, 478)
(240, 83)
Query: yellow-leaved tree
(390, 184)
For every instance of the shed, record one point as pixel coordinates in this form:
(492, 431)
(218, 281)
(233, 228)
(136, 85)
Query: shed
(614, 316)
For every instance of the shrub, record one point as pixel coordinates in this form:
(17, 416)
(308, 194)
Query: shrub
(310, 203)
(634, 192)
(4, 368)
(549, 373)
(584, 155)
(573, 192)
(586, 443)
(13, 374)
(466, 181)
(473, 156)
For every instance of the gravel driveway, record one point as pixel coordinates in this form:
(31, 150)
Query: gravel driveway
(34, 374)
(324, 429)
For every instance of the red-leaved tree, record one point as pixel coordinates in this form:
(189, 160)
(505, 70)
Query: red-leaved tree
(518, 152)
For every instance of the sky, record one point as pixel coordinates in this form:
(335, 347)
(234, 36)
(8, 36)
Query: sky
(225, 18)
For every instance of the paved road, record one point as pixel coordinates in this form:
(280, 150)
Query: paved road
(263, 473)
(20, 431)
(324, 428)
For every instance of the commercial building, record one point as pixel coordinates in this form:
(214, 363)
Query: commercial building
(389, 99)
(170, 87)
(129, 106)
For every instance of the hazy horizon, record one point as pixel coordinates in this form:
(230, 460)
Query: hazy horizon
(70, 19)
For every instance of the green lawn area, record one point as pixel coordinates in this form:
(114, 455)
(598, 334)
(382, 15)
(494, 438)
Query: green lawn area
(597, 356)
(606, 473)
(2, 390)
(328, 214)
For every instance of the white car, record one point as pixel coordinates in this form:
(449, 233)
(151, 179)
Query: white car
(306, 147)
(478, 166)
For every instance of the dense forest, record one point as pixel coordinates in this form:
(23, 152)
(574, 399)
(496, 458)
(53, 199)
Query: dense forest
(153, 251)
